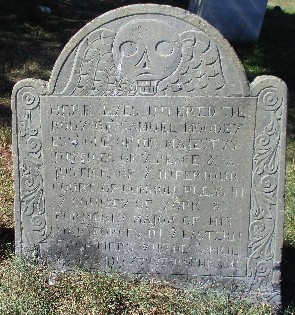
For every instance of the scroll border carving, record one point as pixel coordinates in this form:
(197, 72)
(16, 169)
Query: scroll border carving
(266, 199)
(29, 188)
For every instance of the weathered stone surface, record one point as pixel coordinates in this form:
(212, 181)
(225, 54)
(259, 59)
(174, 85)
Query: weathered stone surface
(237, 20)
(148, 152)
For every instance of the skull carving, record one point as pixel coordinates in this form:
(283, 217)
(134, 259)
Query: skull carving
(145, 52)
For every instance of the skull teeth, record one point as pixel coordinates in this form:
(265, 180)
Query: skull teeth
(147, 87)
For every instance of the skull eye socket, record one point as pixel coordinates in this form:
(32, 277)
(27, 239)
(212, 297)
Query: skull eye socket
(128, 48)
(164, 48)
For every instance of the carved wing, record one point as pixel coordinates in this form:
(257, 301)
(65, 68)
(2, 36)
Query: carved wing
(199, 71)
(93, 72)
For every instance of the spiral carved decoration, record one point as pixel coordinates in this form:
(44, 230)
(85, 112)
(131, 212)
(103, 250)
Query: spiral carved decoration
(31, 192)
(268, 184)
(29, 97)
(30, 182)
(263, 269)
(34, 145)
(263, 141)
(38, 222)
(257, 228)
(270, 99)
(264, 188)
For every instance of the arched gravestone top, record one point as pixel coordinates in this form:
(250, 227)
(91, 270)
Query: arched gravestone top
(185, 55)
(148, 152)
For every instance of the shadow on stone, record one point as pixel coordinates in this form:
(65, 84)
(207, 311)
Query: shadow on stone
(6, 241)
(278, 46)
(6, 114)
(288, 276)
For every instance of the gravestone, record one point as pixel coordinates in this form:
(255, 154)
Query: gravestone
(148, 152)
(237, 20)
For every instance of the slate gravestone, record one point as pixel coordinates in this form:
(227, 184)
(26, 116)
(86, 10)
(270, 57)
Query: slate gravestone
(237, 20)
(148, 152)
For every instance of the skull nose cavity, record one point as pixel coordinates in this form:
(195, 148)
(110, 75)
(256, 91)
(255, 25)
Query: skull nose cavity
(144, 61)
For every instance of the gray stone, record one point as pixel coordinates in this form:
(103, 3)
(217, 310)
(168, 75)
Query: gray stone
(148, 152)
(237, 20)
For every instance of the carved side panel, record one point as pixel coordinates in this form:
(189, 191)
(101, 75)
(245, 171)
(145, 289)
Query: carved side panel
(267, 205)
(30, 219)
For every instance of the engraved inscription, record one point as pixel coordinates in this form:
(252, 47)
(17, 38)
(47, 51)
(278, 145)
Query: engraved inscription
(151, 180)
(148, 152)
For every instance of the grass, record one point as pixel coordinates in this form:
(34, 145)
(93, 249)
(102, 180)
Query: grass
(6, 192)
(286, 5)
(84, 293)
(29, 46)
(290, 199)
